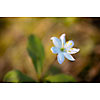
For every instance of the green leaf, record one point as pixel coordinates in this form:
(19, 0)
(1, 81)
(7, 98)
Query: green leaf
(16, 76)
(36, 52)
(60, 78)
(53, 70)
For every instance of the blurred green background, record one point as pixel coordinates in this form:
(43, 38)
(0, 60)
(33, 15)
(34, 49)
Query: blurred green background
(85, 32)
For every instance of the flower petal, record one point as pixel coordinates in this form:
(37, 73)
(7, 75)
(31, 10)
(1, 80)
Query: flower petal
(69, 57)
(60, 58)
(62, 37)
(56, 42)
(73, 50)
(55, 50)
(69, 44)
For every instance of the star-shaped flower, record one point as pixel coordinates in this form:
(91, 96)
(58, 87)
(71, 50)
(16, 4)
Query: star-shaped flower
(63, 49)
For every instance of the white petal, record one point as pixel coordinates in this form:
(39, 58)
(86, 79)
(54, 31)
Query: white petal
(62, 37)
(55, 50)
(56, 42)
(69, 44)
(69, 57)
(60, 58)
(73, 50)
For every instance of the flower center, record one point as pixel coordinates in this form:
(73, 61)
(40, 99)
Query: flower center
(62, 49)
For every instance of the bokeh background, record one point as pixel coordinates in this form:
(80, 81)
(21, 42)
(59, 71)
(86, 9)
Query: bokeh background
(85, 32)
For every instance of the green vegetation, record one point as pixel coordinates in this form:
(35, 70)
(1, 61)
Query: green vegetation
(36, 52)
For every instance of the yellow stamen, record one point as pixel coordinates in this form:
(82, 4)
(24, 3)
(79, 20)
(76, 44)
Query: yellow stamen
(71, 48)
(70, 43)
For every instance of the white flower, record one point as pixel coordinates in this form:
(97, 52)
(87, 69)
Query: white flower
(63, 49)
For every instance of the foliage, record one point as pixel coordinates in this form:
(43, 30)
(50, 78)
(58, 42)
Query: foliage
(60, 78)
(17, 76)
(36, 52)
(54, 70)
